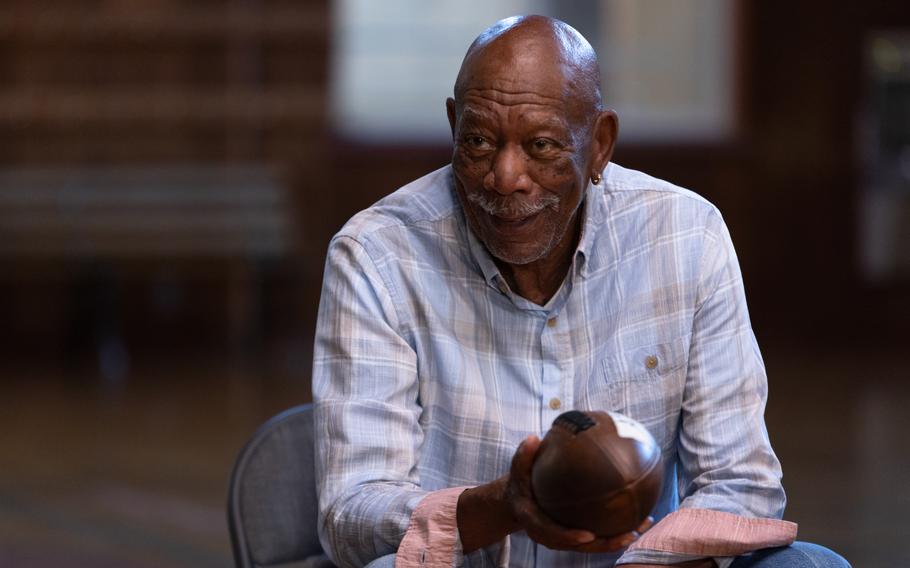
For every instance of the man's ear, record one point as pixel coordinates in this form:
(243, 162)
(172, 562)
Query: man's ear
(606, 130)
(450, 110)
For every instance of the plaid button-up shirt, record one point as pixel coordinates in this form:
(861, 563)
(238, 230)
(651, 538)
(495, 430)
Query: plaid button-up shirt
(428, 370)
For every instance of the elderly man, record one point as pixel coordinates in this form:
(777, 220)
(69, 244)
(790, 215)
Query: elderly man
(461, 314)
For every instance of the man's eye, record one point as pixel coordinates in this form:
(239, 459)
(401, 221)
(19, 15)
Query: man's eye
(476, 142)
(542, 144)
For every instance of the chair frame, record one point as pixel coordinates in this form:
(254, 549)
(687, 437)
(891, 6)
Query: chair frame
(239, 543)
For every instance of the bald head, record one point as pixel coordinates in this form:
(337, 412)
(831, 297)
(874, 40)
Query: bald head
(516, 49)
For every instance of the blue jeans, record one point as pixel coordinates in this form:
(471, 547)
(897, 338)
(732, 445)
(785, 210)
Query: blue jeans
(383, 562)
(799, 555)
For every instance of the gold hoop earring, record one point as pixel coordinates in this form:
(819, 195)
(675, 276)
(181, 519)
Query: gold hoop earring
(595, 179)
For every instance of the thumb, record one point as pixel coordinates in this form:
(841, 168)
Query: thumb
(524, 456)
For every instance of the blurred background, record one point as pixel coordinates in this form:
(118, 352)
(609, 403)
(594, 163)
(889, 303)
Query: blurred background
(171, 172)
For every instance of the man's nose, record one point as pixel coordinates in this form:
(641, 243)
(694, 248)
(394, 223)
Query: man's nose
(509, 171)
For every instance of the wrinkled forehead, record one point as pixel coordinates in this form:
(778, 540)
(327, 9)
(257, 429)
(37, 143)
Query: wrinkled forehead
(483, 112)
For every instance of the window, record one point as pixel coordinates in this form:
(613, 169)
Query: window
(885, 144)
(667, 66)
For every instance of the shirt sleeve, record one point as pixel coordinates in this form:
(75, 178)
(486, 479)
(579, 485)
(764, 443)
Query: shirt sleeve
(725, 460)
(367, 414)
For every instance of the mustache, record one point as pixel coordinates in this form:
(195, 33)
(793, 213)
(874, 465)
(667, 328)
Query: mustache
(512, 207)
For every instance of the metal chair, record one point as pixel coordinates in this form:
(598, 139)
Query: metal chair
(272, 503)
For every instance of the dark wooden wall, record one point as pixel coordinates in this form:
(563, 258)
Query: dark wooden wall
(86, 83)
(224, 81)
(806, 73)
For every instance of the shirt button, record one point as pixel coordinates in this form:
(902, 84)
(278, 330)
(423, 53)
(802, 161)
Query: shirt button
(555, 404)
(651, 362)
(551, 322)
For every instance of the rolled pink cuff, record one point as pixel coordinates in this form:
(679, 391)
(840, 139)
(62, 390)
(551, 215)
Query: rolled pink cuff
(432, 537)
(704, 532)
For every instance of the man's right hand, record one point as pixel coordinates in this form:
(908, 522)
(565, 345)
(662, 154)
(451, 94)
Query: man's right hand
(487, 513)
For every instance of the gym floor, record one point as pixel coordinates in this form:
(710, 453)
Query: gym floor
(134, 475)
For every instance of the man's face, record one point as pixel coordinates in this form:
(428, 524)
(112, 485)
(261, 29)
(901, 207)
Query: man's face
(521, 165)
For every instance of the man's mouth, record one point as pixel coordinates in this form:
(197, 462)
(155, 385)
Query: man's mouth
(513, 221)
(512, 210)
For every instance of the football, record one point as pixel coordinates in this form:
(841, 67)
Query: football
(599, 471)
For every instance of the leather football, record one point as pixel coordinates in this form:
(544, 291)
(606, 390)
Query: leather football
(598, 471)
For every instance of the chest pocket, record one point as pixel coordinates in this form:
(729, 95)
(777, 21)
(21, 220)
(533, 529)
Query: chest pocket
(645, 383)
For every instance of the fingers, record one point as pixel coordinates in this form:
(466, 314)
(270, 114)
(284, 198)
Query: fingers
(519, 486)
(618, 542)
(524, 457)
(544, 530)
(520, 474)
(611, 544)
(645, 525)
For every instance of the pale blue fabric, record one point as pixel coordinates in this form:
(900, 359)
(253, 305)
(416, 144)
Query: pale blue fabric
(799, 555)
(387, 561)
(428, 370)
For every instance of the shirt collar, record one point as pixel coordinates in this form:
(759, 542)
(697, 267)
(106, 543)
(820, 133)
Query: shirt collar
(594, 211)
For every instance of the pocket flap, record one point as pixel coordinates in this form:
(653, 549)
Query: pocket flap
(643, 362)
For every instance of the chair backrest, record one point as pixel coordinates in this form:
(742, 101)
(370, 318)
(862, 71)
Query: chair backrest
(272, 495)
